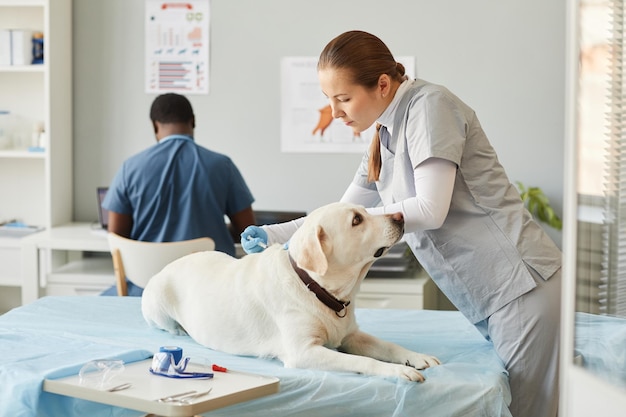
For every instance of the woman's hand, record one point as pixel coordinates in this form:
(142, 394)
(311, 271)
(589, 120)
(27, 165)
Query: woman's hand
(254, 239)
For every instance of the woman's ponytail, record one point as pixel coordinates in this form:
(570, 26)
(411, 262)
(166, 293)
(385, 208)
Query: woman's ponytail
(374, 164)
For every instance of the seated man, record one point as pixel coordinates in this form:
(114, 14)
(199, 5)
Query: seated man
(177, 190)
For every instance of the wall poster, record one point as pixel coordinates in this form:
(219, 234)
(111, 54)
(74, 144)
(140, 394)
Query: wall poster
(177, 46)
(306, 121)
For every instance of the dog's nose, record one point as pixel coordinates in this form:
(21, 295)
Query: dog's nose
(397, 218)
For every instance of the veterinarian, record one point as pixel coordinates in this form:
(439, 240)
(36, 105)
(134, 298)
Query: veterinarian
(464, 220)
(176, 189)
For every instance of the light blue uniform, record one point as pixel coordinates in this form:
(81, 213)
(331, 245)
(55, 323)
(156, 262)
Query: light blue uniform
(489, 251)
(177, 190)
(480, 256)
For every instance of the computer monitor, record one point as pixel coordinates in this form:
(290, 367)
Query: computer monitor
(269, 217)
(103, 214)
(273, 216)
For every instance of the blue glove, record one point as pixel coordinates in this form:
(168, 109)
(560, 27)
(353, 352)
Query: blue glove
(254, 239)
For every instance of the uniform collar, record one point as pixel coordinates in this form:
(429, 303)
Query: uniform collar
(184, 137)
(386, 119)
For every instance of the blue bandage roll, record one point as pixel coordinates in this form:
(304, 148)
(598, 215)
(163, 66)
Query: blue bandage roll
(177, 352)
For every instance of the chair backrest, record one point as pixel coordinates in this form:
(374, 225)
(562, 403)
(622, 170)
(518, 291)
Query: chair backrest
(139, 261)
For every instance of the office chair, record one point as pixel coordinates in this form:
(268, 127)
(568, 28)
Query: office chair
(139, 261)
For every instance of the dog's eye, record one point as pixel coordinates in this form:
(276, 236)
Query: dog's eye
(357, 219)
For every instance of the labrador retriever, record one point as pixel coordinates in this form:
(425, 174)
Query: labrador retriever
(293, 304)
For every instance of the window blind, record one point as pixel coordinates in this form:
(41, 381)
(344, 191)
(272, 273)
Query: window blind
(612, 287)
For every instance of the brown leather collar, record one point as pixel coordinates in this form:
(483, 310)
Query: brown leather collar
(320, 292)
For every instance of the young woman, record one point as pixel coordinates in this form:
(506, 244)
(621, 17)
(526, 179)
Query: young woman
(464, 220)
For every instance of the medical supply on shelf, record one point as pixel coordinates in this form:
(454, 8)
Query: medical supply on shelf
(217, 368)
(120, 387)
(17, 131)
(21, 47)
(169, 362)
(5, 47)
(37, 132)
(173, 397)
(22, 127)
(98, 373)
(38, 48)
(184, 398)
(177, 352)
(6, 139)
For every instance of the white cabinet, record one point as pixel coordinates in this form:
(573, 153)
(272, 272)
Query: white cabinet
(9, 261)
(70, 259)
(85, 276)
(417, 292)
(36, 186)
(398, 281)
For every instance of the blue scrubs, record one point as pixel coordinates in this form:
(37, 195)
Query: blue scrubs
(177, 190)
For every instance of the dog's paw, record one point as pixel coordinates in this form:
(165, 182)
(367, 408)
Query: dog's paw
(394, 370)
(177, 331)
(409, 373)
(421, 361)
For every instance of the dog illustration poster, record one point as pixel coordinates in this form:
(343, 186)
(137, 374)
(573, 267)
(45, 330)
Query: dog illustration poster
(307, 124)
(177, 46)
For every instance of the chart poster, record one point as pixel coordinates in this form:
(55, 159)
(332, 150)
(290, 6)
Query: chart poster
(177, 47)
(306, 121)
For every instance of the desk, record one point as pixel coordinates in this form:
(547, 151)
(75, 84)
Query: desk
(79, 237)
(90, 276)
(9, 259)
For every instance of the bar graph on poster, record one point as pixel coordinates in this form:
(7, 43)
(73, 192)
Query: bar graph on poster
(177, 46)
(307, 124)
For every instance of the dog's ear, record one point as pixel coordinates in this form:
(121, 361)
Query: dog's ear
(312, 256)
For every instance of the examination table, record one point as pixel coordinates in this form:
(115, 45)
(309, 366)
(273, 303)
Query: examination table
(54, 337)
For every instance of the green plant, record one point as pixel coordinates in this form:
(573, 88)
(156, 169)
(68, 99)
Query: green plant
(539, 205)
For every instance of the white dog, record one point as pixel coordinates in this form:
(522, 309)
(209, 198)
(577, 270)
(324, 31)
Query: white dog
(260, 305)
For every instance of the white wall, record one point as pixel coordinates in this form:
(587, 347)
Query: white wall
(505, 59)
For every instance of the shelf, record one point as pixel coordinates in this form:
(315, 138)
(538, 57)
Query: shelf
(20, 154)
(85, 271)
(13, 233)
(36, 183)
(88, 276)
(22, 3)
(40, 68)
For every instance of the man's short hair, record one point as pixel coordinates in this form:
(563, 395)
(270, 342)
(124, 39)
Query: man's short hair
(171, 108)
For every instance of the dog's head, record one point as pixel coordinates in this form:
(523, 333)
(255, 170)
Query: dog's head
(337, 243)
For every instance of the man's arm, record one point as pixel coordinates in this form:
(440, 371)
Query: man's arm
(120, 224)
(241, 220)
